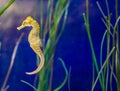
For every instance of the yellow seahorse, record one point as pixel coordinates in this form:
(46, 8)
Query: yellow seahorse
(34, 40)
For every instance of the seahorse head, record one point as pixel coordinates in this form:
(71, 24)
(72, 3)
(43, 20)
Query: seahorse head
(27, 22)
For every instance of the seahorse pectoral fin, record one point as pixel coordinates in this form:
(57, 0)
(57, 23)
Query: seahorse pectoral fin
(20, 27)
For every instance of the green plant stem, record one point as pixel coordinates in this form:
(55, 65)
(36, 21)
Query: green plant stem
(29, 85)
(65, 79)
(103, 39)
(92, 49)
(69, 79)
(51, 28)
(105, 63)
(117, 49)
(86, 19)
(108, 43)
(6, 7)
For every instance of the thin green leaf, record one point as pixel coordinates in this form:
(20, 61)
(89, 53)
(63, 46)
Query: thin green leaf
(106, 61)
(7, 6)
(65, 79)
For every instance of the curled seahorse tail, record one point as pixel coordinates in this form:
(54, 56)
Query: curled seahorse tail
(39, 66)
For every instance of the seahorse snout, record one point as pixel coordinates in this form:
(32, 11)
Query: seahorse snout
(20, 27)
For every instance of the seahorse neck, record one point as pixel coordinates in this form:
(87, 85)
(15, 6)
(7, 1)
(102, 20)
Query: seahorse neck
(35, 26)
(34, 29)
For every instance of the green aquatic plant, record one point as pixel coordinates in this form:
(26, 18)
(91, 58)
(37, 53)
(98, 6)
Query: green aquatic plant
(112, 32)
(51, 27)
(6, 7)
(95, 64)
(35, 89)
(107, 71)
(66, 77)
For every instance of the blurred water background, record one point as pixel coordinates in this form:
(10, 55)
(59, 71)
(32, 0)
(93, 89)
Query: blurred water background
(73, 46)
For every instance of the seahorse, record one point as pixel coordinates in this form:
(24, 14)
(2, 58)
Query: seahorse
(34, 41)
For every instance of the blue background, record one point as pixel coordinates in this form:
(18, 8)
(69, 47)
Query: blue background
(73, 47)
